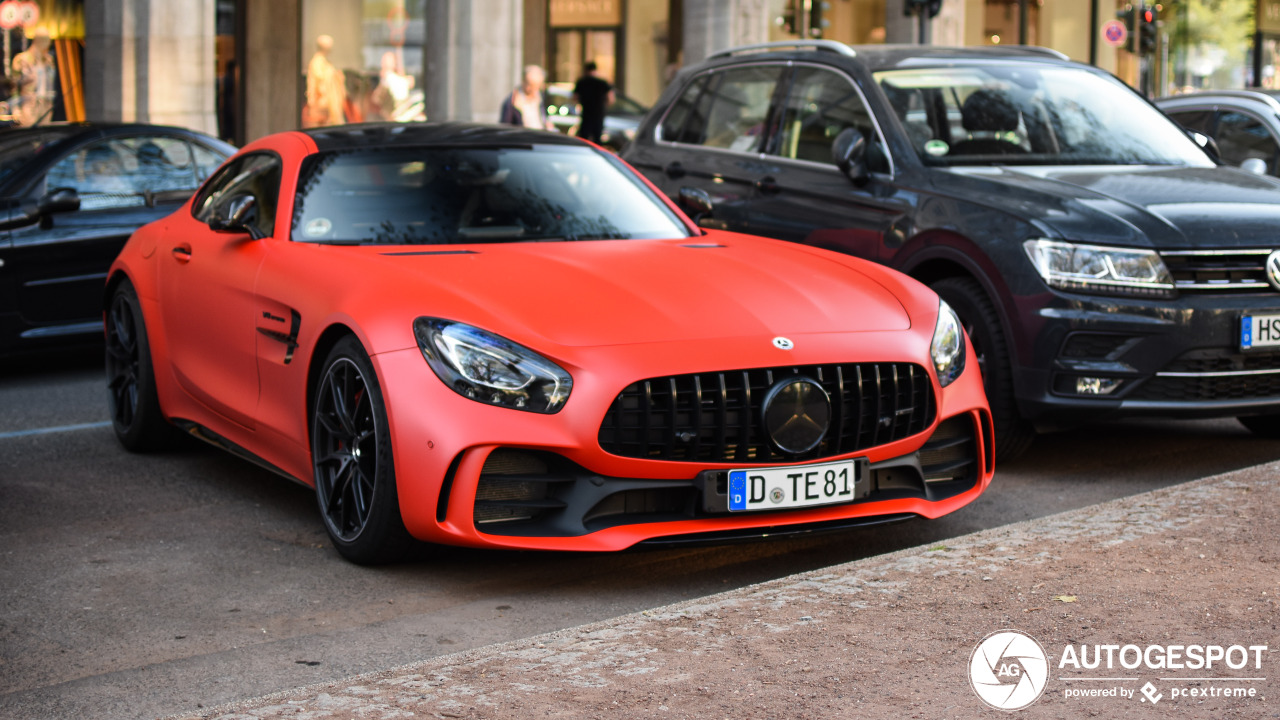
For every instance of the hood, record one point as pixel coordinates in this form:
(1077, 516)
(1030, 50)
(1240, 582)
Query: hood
(616, 292)
(1169, 208)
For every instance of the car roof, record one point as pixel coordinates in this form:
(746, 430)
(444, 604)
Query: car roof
(887, 57)
(1248, 94)
(371, 135)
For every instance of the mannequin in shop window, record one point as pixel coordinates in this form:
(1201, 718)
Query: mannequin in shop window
(527, 104)
(35, 75)
(326, 89)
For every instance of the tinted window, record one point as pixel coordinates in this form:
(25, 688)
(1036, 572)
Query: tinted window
(683, 113)
(1241, 137)
(739, 106)
(466, 195)
(257, 175)
(126, 172)
(18, 148)
(1024, 113)
(1199, 120)
(821, 105)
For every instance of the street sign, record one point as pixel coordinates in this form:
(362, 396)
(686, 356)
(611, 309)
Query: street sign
(1115, 33)
(10, 15)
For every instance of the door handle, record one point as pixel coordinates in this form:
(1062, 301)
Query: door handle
(182, 253)
(767, 185)
(674, 170)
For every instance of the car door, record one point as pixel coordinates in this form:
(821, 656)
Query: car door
(60, 263)
(803, 197)
(206, 286)
(714, 139)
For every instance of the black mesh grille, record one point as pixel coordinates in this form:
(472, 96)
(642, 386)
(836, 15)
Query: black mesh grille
(1223, 360)
(1092, 345)
(1218, 271)
(1237, 387)
(715, 417)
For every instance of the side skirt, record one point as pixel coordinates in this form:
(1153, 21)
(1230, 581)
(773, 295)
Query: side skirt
(203, 433)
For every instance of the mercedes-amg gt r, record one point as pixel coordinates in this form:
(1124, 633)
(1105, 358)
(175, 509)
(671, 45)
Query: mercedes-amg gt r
(495, 337)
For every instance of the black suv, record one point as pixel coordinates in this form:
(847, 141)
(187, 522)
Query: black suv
(1102, 263)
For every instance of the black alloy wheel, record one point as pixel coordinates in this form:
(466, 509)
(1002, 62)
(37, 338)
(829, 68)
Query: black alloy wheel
(351, 451)
(981, 322)
(131, 388)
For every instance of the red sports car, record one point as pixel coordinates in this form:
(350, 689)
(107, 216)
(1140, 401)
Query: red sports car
(495, 337)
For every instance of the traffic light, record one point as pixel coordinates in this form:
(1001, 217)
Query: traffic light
(912, 7)
(1148, 29)
(1129, 16)
(818, 23)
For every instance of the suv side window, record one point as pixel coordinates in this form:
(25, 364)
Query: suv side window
(1241, 137)
(257, 175)
(684, 112)
(820, 106)
(1199, 120)
(731, 113)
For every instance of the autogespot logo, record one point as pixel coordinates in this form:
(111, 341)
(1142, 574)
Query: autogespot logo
(1008, 670)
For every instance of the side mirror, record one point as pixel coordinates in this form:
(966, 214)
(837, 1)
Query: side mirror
(696, 202)
(1206, 143)
(849, 153)
(59, 200)
(240, 215)
(1257, 166)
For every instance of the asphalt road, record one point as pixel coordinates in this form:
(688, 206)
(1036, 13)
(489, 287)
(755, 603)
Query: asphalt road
(136, 586)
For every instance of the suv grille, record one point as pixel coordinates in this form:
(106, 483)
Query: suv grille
(715, 417)
(1218, 270)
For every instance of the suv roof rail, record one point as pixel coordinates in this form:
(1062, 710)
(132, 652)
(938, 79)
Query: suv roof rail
(827, 45)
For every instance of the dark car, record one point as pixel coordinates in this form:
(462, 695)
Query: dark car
(621, 118)
(70, 196)
(1103, 264)
(1244, 124)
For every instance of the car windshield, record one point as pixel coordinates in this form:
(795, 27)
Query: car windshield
(1025, 114)
(19, 149)
(445, 196)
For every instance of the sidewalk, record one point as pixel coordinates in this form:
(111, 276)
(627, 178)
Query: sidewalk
(891, 636)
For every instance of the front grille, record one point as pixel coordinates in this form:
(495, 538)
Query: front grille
(515, 486)
(1218, 270)
(715, 417)
(951, 452)
(1229, 387)
(1093, 345)
(1209, 360)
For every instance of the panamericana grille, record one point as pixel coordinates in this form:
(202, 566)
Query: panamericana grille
(1218, 270)
(715, 417)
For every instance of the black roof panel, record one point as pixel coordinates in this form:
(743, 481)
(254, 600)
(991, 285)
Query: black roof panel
(345, 137)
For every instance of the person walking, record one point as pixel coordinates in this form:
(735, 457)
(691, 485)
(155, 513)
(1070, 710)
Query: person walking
(527, 104)
(593, 93)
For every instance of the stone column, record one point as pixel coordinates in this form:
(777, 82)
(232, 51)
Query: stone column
(151, 61)
(474, 56)
(273, 67)
(714, 25)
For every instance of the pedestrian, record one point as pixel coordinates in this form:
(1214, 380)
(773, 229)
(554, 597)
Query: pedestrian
(326, 89)
(593, 93)
(527, 104)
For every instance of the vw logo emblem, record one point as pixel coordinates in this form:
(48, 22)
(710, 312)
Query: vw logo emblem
(796, 415)
(1273, 270)
(785, 343)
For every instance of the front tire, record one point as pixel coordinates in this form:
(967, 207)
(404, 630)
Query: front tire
(351, 455)
(131, 382)
(1264, 426)
(991, 352)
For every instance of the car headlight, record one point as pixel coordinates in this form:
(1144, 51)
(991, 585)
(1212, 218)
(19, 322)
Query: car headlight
(491, 369)
(1100, 269)
(947, 348)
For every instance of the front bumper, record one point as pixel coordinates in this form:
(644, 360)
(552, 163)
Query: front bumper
(1170, 358)
(474, 475)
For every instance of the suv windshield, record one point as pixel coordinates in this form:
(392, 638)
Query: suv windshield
(442, 196)
(1006, 114)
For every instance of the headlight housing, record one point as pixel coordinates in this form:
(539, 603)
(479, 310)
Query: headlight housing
(491, 369)
(1100, 269)
(947, 348)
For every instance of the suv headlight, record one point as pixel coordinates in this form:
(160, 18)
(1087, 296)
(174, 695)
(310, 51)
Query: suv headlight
(1100, 269)
(491, 369)
(947, 348)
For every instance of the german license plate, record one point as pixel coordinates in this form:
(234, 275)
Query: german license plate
(792, 487)
(1259, 331)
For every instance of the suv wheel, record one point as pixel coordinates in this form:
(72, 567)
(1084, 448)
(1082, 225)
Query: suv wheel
(982, 323)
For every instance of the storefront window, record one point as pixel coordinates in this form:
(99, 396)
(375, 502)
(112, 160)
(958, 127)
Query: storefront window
(363, 61)
(43, 41)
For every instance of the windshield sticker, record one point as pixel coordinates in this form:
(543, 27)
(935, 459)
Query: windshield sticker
(318, 227)
(937, 148)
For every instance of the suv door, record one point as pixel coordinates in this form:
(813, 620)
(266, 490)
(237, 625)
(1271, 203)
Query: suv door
(714, 138)
(803, 197)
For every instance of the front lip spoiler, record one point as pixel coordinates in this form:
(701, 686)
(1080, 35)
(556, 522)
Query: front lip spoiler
(725, 537)
(1202, 408)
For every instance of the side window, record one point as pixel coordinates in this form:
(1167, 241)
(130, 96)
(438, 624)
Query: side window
(1199, 120)
(257, 175)
(673, 125)
(739, 108)
(821, 105)
(126, 172)
(1241, 137)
